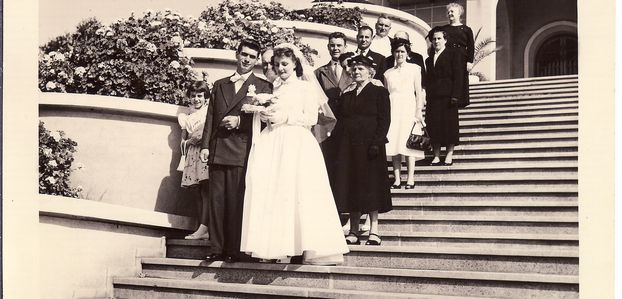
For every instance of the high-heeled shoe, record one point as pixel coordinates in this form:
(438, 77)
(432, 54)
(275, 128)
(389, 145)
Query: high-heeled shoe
(357, 242)
(197, 237)
(410, 186)
(374, 242)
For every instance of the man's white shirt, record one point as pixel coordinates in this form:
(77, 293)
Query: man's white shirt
(381, 45)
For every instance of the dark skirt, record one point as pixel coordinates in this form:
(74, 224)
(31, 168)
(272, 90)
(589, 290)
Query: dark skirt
(359, 184)
(441, 118)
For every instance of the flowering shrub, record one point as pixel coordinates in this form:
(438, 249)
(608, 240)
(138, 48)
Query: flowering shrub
(142, 57)
(329, 14)
(323, 13)
(55, 159)
(138, 58)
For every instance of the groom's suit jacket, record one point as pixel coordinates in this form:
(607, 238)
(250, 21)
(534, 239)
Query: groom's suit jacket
(230, 147)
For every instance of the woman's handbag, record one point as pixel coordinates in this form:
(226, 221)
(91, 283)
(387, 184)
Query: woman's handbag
(417, 141)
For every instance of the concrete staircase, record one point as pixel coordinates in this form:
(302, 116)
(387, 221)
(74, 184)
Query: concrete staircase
(500, 223)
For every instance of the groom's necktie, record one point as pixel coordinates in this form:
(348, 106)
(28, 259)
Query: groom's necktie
(238, 81)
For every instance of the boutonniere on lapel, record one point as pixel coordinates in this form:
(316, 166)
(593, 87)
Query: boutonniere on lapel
(251, 90)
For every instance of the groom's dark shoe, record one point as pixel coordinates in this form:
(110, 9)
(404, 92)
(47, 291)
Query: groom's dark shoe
(215, 257)
(231, 259)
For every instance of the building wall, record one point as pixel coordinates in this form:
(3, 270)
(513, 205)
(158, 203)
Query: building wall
(85, 243)
(524, 18)
(432, 12)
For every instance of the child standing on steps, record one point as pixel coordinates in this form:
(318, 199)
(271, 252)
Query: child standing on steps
(195, 172)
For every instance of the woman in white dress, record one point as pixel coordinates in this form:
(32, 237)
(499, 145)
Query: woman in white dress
(289, 208)
(404, 84)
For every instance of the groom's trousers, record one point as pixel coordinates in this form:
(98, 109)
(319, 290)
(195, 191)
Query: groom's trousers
(226, 204)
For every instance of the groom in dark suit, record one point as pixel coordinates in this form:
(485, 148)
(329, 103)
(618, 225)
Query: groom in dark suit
(225, 147)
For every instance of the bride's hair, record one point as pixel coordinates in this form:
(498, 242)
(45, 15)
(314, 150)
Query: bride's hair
(289, 53)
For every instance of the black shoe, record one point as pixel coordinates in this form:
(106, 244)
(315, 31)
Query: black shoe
(411, 186)
(296, 260)
(373, 242)
(396, 187)
(448, 164)
(231, 259)
(215, 257)
(357, 242)
(439, 163)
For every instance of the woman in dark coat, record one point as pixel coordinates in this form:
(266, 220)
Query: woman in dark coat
(360, 177)
(445, 85)
(460, 37)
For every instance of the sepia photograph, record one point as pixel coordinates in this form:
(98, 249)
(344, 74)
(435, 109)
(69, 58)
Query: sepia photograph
(313, 149)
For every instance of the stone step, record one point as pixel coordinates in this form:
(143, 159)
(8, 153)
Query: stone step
(492, 167)
(522, 94)
(548, 146)
(520, 114)
(479, 240)
(160, 288)
(415, 210)
(523, 137)
(406, 281)
(494, 189)
(507, 85)
(526, 201)
(533, 99)
(547, 261)
(474, 196)
(533, 177)
(501, 131)
(520, 122)
(525, 81)
(478, 224)
(466, 157)
(524, 88)
(543, 106)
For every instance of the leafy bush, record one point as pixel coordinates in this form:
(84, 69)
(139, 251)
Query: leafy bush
(55, 159)
(329, 14)
(142, 57)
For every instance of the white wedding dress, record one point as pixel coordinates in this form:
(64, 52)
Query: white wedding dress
(288, 204)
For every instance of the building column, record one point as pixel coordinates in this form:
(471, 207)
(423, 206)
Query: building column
(483, 14)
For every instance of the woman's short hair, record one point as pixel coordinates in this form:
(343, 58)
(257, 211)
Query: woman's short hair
(398, 42)
(287, 52)
(198, 87)
(456, 5)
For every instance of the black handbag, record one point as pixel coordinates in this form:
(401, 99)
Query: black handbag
(418, 142)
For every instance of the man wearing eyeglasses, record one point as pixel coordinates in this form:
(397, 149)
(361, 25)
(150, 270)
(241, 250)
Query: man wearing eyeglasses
(225, 147)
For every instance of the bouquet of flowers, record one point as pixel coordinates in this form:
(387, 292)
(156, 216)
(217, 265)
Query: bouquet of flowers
(259, 102)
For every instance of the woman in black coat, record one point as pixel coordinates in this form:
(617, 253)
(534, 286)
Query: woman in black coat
(445, 84)
(460, 37)
(359, 168)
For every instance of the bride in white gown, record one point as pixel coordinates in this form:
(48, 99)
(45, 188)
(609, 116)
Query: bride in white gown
(288, 204)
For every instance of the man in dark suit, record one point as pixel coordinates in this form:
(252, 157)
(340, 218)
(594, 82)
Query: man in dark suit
(413, 57)
(332, 76)
(444, 86)
(364, 39)
(225, 147)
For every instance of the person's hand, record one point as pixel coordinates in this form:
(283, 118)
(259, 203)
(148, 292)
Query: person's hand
(419, 117)
(230, 122)
(454, 101)
(469, 66)
(373, 151)
(273, 116)
(204, 154)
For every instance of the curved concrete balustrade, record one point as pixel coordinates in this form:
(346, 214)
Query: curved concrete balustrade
(400, 21)
(129, 149)
(221, 63)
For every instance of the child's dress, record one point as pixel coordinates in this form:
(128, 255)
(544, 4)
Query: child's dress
(195, 170)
